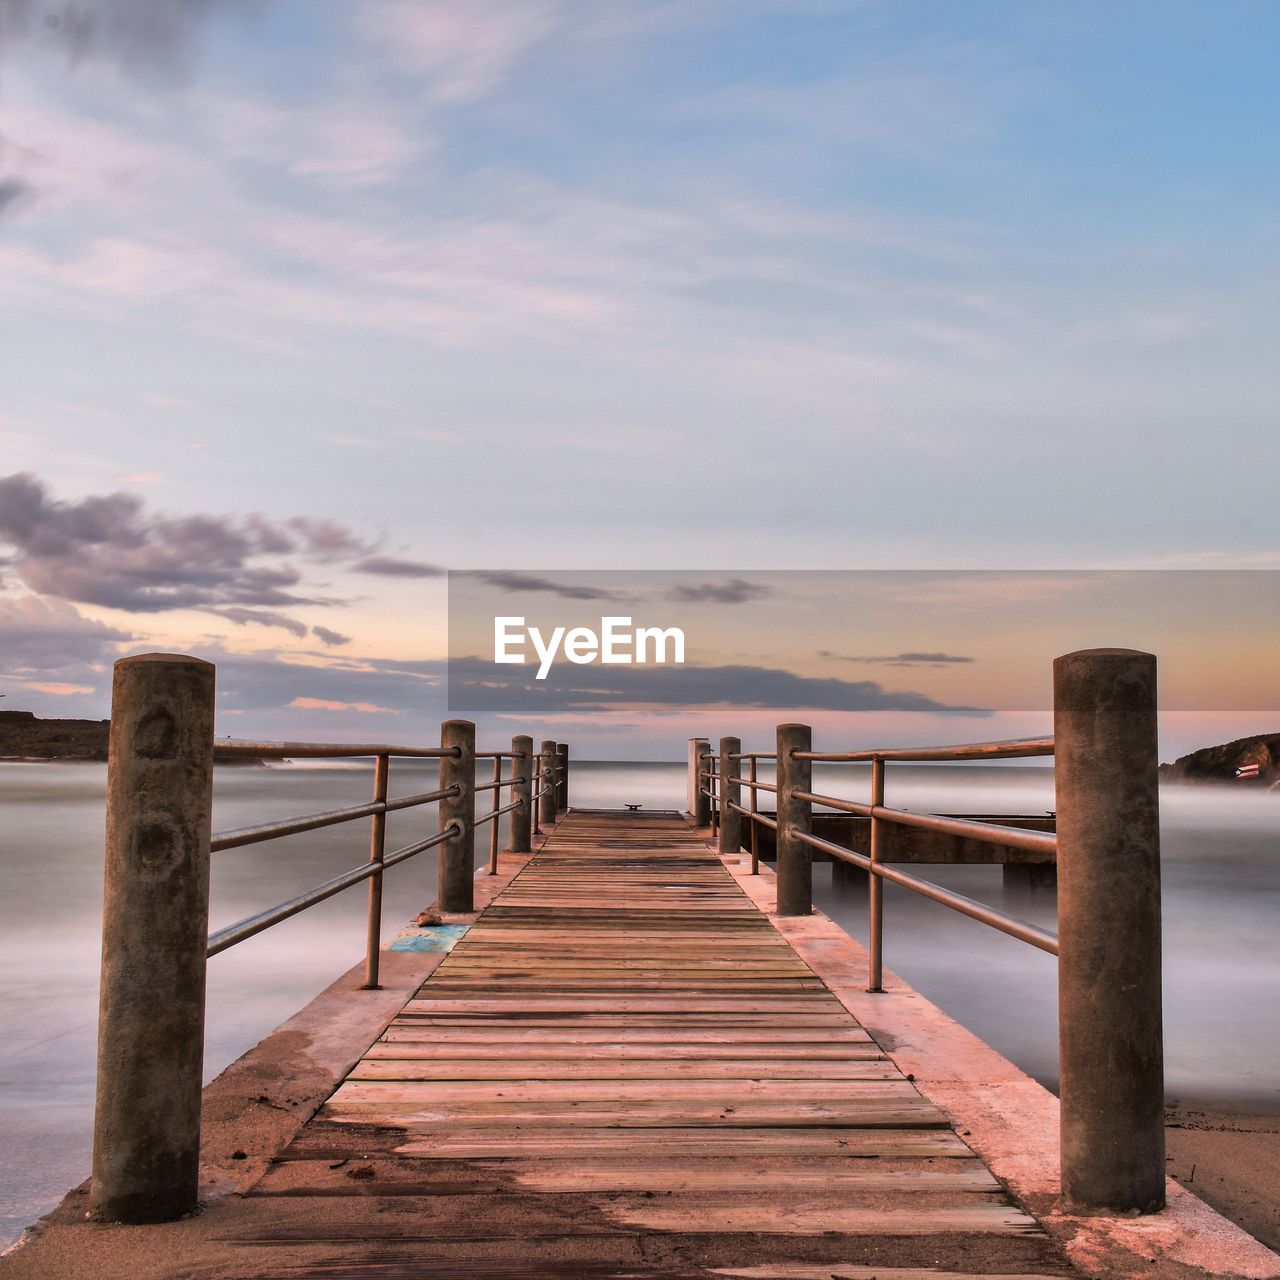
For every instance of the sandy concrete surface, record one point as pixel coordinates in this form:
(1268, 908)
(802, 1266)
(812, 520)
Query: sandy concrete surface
(1231, 1159)
(1010, 1119)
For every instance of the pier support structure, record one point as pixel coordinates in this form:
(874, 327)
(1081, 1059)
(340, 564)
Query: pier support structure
(522, 770)
(562, 776)
(457, 854)
(1110, 1034)
(795, 858)
(730, 835)
(547, 800)
(146, 1140)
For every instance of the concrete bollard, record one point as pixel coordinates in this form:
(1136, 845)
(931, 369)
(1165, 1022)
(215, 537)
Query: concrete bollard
(562, 775)
(457, 854)
(146, 1137)
(699, 755)
(795, 858)
(693, 782)
(522, 766)
(547, 802)
(731, 794)
(1110, 1034)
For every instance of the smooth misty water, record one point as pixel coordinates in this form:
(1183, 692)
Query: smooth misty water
(1222, 902)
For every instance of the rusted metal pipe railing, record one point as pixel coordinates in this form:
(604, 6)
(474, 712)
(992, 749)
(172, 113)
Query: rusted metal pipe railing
(156, 942)
(1107, 850)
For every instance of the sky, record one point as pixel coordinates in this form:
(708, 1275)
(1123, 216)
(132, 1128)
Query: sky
(304, 302)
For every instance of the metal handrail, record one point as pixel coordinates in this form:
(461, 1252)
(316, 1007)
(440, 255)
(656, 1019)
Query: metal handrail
(497, 813)
(328, 750)
(377, 809)
(755, 815)
(238, 837)
(255, 924)
(1010, 837)
(1011, 925)
(1007, 749)
(991, 832)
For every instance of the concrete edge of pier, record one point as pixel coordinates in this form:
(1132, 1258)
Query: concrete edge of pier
(255, 1106)
(1009, 1119)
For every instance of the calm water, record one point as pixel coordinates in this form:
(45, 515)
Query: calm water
(1222, 904)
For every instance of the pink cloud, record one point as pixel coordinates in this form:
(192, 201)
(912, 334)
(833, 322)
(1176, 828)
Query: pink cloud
(330, 704)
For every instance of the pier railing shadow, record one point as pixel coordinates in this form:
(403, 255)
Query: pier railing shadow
(1107, 852)
(156, 904)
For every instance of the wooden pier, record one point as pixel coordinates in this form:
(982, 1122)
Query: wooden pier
(624, 1069)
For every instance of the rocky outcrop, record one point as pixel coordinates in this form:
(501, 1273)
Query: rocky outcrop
(25, 736)
(1219, 764)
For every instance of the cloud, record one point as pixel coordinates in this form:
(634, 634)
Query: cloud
(14, 193)
(464, 50)
(900, 659)
(331, 638)
(49, 638)
(390, 567)
(59, 688)
(268, 681)
(520, 582)
(142, 36)
(475, 686)
(109, 550)
(332, 704)
(262, 618)
(730, 591)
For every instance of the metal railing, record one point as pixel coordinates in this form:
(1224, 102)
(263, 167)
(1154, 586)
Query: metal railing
(155, 941)
(1107, 853)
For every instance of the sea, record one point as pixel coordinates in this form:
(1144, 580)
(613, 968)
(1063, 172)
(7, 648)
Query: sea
(1221, 879)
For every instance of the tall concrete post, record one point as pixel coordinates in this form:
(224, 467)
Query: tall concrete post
(457, 854)
(1110, 1035)
(693, 783)
(795, 858)
(547, 804)
(730, 794)
(562, 775)
(699, 754)
(146, 1135)
(522, 767)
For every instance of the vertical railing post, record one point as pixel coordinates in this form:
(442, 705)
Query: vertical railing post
(146, 1138)
(547, 802)
(377, 848)
(699, 756)
(795, 858)
(522, 769)
(875, 887)
(755, 826)
(713, 787)
(730, 794)
(495, 822)
(1110, 1034)
(562, 776)
(457, 853)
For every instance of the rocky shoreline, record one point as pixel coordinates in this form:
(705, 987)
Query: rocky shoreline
(28, 739)
(1219, 764)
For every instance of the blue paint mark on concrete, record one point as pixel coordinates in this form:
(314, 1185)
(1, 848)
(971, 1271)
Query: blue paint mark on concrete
(436, 937)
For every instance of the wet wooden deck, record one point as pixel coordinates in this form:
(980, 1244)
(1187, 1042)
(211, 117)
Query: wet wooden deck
(624, 1069)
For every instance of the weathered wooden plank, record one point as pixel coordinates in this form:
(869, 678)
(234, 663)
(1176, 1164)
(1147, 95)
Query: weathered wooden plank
(623, 1046)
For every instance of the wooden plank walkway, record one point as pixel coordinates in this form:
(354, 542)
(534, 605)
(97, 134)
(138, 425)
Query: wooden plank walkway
(624, 1069)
